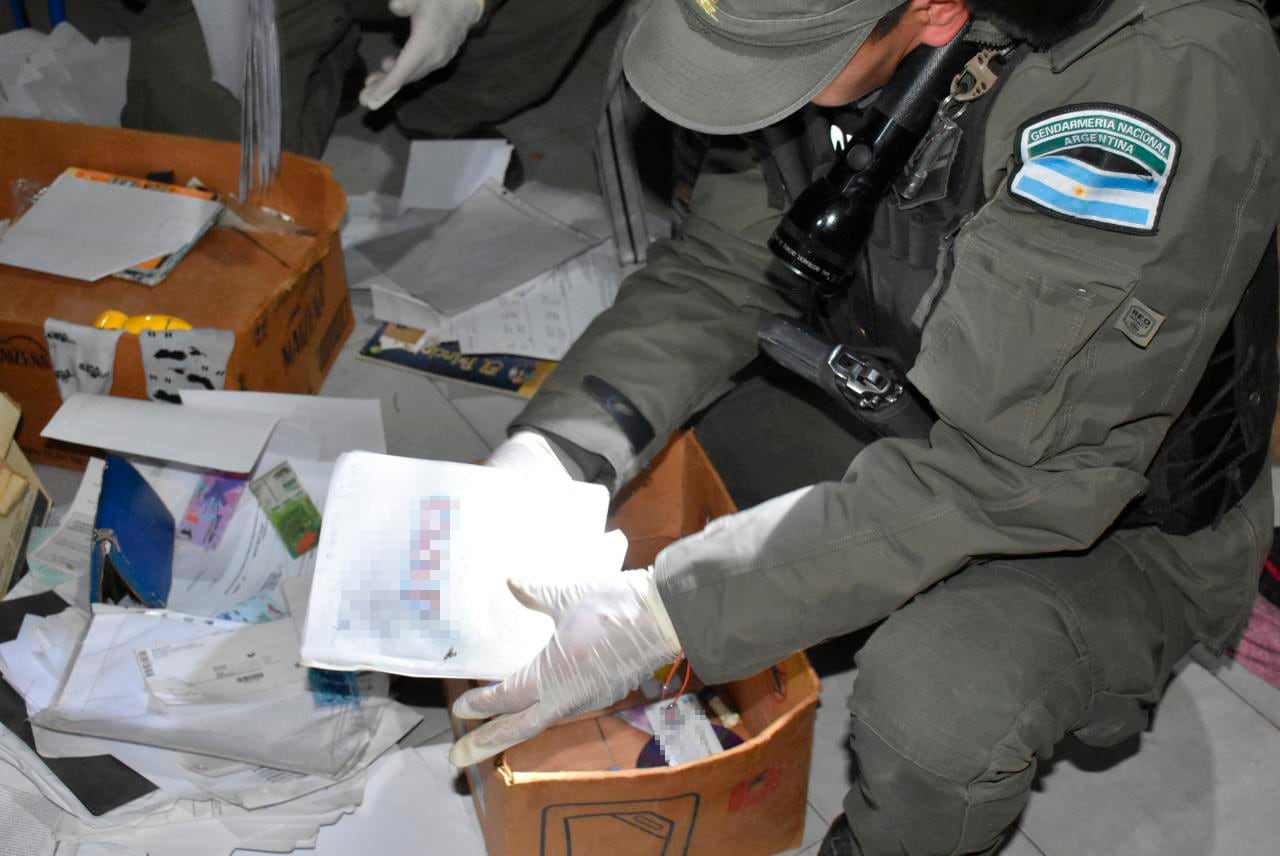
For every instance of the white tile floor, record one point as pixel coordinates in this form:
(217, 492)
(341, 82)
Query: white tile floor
(1205, 779)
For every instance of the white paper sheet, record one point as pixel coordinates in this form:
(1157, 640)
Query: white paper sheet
(36, 659)
(542, 318)
(27, 817)
(105, 695)
(68, 549)
(227, 441)
(376, 215)
(489, 245)
(442, 174)
(63, 76)
(90, 229)
(414, 557)
(409, 803)
(345, 424)
(255, 663)
(225, 29)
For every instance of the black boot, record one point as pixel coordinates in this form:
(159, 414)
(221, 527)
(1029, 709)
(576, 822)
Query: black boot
(839, 840)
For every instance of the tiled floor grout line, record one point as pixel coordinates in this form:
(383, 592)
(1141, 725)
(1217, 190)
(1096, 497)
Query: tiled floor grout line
(1207, 661)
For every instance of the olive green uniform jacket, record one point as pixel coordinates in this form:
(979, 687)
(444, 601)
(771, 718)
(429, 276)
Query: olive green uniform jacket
(1049, 414)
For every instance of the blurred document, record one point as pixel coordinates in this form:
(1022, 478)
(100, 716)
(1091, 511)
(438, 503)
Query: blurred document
(413, 561)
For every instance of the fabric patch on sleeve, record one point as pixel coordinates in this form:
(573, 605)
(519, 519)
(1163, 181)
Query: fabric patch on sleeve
(1097, 164)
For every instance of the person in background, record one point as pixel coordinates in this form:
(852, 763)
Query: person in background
(1082, 285)
(465, 66)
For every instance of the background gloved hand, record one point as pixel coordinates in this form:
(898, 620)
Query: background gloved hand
(528, 451)
(437, 28)
(610, 634)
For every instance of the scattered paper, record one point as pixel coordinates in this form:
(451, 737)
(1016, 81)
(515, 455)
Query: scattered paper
(489, 245)
(409, 798)
(105, 695)
(230, 441)
(87, 229)
(540, 318)
(345, 424)
(377, 215)
(69, 548)
(258, 661)
(63, 76)
(442, 174)
(411, 576)
(84, 357)
(27, 820)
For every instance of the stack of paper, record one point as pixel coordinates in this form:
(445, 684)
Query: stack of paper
(63, 76)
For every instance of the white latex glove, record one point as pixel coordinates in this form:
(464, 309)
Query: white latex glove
(528, 451)
(610, 634)
(437, 28)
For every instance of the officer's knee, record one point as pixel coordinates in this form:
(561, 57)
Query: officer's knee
(955, 691)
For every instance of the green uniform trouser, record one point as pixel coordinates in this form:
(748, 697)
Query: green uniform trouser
(962, 691)
(171, 88)
(511, 62)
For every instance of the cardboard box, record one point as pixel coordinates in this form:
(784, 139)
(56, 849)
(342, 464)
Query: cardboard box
(575, 790)
(284, 296)
(31, 508)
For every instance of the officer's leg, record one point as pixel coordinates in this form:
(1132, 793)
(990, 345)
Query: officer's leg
(960, 692)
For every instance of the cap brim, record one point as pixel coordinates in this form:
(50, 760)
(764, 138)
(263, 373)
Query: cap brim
(716, 86)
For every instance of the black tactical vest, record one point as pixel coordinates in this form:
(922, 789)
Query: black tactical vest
(1212, 453)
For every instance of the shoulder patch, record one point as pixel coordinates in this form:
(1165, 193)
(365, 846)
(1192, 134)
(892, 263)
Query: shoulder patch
(1098, 164)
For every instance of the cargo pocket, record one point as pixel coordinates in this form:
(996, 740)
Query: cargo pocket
(1008, 346)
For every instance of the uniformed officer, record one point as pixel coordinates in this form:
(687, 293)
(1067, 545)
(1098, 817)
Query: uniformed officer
(1062, 279)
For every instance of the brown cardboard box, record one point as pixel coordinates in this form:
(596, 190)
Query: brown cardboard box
(31, 508)
(574, 788)
(284, 296)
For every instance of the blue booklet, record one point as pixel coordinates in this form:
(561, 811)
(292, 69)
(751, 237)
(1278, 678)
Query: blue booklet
(132, 540)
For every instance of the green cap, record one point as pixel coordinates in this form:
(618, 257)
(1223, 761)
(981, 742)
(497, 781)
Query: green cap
(731, 66)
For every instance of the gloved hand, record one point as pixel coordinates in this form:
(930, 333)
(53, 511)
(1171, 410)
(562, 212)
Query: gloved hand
(528, 451)
(610, 634)
(437, 28)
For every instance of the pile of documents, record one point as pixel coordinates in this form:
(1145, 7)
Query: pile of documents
(191, 727)
(475, 267)
(63, 76)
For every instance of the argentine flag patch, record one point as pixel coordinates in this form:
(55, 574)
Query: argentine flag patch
(1097, 164)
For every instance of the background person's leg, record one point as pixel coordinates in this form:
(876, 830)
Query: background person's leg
(171, 87)
(962, 691)
(511, 63)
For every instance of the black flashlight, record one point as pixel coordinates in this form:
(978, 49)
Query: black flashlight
(825, 229)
